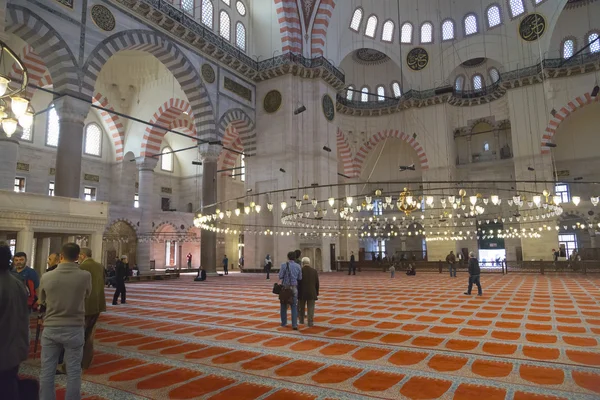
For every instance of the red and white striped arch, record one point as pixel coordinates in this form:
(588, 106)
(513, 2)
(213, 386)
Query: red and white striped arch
(366, 148)
(231, 140)
(112, 121)
(319, 28)
(562, 114)
(184, 124)
(344, 153)
(38, 73)
(164, 116)
(289, 26)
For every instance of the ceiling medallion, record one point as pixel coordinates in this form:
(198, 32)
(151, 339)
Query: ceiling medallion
(369, 56)
(272, 101)
(532, 27)
(417, 59)
(103, 18)
(328, 108)
(474, 62)
(208, 73)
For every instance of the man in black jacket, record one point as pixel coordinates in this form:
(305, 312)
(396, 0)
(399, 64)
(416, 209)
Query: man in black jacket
(122, 272)
(474, 273)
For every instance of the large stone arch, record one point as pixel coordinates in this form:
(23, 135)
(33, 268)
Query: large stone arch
(289, 26)
(164, 116)
(238, 120)
(562, 114)
(319, 27)
(344, 152)
(369, 145)
(48, 44)
(38, 73)
(169, 54)
(116, 130)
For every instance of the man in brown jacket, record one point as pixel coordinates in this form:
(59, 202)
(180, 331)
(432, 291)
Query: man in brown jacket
(308, 291)
(94, 305)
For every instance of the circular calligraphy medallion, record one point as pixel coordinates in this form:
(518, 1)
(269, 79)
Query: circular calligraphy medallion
(532, 27)
(208, 73)
(328, 108)
(103, 18)
(417, 59)
(272, 101)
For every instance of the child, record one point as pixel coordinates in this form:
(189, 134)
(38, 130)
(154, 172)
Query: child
(392, 271)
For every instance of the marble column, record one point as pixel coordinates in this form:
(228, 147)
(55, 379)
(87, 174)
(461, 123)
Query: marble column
(71, 113)
(25, 242)
(9, 154)
(497, 144)
(96, 246)
(208, 243)
(42, 253)
(145, 167)
(469, 151)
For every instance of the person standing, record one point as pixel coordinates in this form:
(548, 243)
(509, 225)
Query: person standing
(189, 260)
(63, 293)
(308, 291)
(28, 276)
(268, 265)
(392, 270)
(94, 305)
(474, 274)
(289, 274)
(451, 261)
(121, 274)
(14, 326)
(53, 260)
(352, 264)
(226, 264)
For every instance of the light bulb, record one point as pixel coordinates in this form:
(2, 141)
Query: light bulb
(429, 200)
(388, 199)
(473, 200)
(409, 199)
(9, 125)
(594, 200)
(237, 212)
(331, 201)
(298, 203)
(556, 199)
(314, 203)
(537, 199)
(257, 208)
(270, 206)
(3, 85)
(283, 205)
(349, 200)
(494, 199)
(247, 210)
(576, 199)
(19, 106)
(228, 213)
(221, 215)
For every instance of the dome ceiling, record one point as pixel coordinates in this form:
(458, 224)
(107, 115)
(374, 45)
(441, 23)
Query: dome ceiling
(369, 57)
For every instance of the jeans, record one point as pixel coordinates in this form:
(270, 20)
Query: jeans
(393, 273)
(294, 309)
(452, 267)
(474, 279)
(268, 269)
(225, 270)
(54, 339)
(311, 310)
(120, 291)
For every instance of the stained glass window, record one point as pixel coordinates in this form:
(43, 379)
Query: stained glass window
(568, 48)
(350, 92)
(448, 30)
(426, 33)
(207, 13)
(516, 7)
(406, 35)
(225, 25)
(459, 83)
(240, 35)
(477, 82)
(371, 26)
(93, 140)
(396, 89)
(52, 129)
(493, 16)
(380, 93)
(387, 33)
(364, 95)
(356, 19)
(241, 8)
(594, 42)
(494, 75)
(471, 24)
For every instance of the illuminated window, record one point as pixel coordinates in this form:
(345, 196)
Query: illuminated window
(494, 17)
(569, 241)
(240, 36)
(93, 140)
(486, 146)
(52, 128)
(224, 25)
(594, 42)
(207, 13)
(356, 19)
(380, 93)
(350, 93)
(471, 26)
(371, 26)
(136, 201)
(459, 84)
(188, 6)
(387, 33)
(562, 190)
(568, 48)
(89, 193)
(51, 189)
(27, 134)
(516, 7)
(477, 82)
(448, 30)
(241, 8)
(364, 95)
(243, 168)
(19, 185)
(426, 33)
(166, 159)
(377, 207)
(406, 33)
(494, 75)
(396, 89)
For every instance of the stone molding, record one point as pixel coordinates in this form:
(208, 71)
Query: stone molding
(70, 109)
(209, 152)
(146, 163)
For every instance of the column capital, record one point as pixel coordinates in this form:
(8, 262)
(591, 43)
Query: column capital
(146, 163)
(209, 152)
(70, 109)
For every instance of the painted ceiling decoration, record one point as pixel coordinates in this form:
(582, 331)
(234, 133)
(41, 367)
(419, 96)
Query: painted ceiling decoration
(473, 62)
(308, 7)
(369, 57)
(577, 3)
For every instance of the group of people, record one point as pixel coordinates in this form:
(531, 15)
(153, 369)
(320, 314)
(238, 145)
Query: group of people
(473, 268)
(71, 298)
(303, 281)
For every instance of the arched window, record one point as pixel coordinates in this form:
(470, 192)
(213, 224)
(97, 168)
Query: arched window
(477, 82)
(427, 33)
(516, 8)
(494, 75)
(52, 128)
(240, 35)
(594, 42)
(364, 94)
(448, 30)
(241, 8)
(356, 19)
(350, 92)
(26, 133)
(243, 168)
(380, 93)
(371, 26)
(396, 89)
(207, 13)
(471, 26)
(494, 17)
(166, 159)
(406, 33)
(92, 144)
(188, 6)
(224, 25)
(568, 48)
(486, 146)
(387, 33)
(459, 83)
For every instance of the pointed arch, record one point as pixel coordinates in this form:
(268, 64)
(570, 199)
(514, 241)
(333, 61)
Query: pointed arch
(369, 145)
(320, 25)
(231, 140)
(169, 54)
(244, 127)
(38, 73)
(344, 152)
(289, 26)
(164, 116)
(49, 45)
(134, 227)
(562, 114)
(113, 123)
(183, 124)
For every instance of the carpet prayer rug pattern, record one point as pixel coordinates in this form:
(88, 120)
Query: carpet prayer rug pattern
(527, 338)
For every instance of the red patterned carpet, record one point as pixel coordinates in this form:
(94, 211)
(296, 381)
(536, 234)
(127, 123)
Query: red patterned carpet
(528, 337)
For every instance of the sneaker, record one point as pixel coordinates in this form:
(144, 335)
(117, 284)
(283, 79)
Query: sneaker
(468, 294)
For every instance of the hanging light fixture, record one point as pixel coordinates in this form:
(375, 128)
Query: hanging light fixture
(576, 200)
(283, 205)
(349, 200)
(18, 113)
(331, 201)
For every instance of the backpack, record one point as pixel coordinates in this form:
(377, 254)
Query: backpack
(30, 290)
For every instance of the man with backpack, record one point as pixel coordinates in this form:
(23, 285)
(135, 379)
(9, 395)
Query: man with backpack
(290, 273)
(28, 276)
